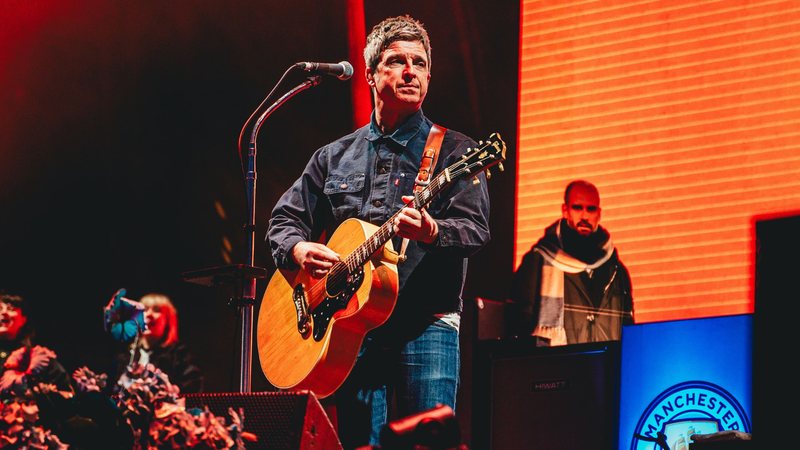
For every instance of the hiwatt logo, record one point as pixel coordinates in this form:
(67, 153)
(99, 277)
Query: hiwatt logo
(549, 385)
(693, 407)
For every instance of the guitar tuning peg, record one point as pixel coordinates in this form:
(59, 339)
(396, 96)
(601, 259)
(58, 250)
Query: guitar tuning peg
(500, 166)
(488, 174)
(476, 181)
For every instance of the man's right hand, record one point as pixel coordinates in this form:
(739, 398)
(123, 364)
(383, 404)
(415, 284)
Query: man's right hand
(314, 258)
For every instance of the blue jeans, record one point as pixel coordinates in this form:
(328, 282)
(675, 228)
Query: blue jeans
(419, 374)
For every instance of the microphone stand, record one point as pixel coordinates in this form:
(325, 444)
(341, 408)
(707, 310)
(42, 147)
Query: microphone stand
(246, 274)
(248, 297)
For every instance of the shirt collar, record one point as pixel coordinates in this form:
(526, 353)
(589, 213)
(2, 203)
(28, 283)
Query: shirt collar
(402, 134)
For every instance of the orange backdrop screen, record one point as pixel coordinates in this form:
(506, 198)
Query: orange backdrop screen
(685, 114)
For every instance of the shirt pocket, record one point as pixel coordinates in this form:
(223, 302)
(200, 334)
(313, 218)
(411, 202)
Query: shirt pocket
(344, 193)
(405, 186)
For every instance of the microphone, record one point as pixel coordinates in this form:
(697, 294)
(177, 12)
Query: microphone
(342, 70)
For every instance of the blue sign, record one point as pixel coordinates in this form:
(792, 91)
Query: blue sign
(684, 377)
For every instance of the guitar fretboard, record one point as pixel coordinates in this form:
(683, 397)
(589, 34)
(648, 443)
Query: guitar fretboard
(474, 161)
(386, 231)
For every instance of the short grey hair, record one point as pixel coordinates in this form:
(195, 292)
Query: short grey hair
(400, 28)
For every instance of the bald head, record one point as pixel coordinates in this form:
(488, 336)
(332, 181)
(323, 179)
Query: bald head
(581, 207)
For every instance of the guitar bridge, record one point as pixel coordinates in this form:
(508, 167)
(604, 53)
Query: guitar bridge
(301, 309)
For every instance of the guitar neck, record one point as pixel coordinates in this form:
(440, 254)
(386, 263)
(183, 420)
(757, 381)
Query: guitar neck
(474, 161)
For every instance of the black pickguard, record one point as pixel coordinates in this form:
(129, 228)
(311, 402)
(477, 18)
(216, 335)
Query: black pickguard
(342, 292)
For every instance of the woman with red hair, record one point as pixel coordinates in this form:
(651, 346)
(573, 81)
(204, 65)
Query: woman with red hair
(161, 319)
(159, 345)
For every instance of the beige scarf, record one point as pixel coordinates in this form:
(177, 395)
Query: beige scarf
(551, 308)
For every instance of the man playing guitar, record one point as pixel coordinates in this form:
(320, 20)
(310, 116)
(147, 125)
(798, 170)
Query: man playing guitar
(410, 347)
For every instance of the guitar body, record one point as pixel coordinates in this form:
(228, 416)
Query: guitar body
(320, 356)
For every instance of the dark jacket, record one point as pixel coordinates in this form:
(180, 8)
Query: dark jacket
(595, 306)
(364, 175)
(174, 360)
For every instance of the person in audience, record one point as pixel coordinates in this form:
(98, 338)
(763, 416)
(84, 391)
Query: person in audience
(21, 360)
(159, 344)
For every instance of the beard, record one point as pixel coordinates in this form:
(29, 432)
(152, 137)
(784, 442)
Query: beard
(587, 248)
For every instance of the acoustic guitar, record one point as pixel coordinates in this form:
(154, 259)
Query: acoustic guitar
(310, 329)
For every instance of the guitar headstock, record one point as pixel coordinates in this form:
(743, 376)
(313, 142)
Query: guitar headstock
(488, 153)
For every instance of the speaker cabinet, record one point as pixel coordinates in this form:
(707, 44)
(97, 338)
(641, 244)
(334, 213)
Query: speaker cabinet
(774, 327)
(291, 420)
(482, 319)
(554, 398)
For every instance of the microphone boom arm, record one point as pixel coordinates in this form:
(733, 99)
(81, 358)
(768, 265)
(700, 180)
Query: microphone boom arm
(308, 83)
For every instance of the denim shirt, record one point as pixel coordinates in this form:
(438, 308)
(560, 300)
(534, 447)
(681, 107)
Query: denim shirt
(364, 175)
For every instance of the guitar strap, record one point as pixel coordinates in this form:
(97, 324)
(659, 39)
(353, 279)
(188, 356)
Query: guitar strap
(427, 165)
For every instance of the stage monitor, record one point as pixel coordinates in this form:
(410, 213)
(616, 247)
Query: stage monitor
(545, 398)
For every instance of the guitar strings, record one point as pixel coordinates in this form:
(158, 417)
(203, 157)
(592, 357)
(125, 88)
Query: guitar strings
(355, 259)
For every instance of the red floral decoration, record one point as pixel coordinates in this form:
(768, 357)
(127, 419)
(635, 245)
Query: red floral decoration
(23, 363)
(152, 410)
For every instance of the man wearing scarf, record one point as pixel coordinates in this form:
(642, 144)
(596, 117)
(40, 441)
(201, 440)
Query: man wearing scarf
(571, 286)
